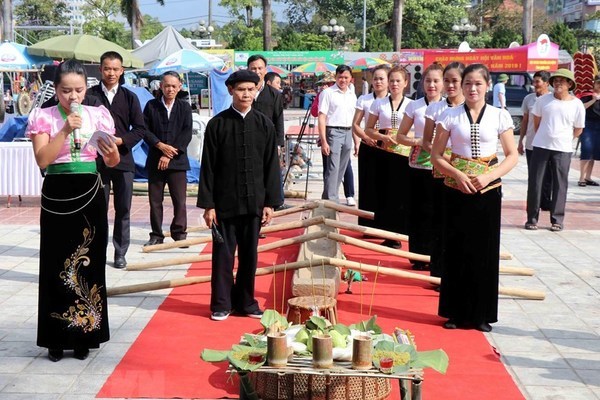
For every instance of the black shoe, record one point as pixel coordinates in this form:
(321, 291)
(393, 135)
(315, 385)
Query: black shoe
(81, 353)
(394, 244)
(55, 354)
(120, 262)
(450, 324)
(484, 327)
(153, 242)
(283, 207)
(219, 315)
(258, 313)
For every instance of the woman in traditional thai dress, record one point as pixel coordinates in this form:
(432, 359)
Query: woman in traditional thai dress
(367, 151)
(72, 311)
(469, 289)
(453, 98)
(420, 194)
(392, 165)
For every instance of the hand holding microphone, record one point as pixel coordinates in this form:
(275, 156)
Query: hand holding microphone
(76, 132)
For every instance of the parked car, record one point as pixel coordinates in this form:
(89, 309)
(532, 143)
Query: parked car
(519, 85)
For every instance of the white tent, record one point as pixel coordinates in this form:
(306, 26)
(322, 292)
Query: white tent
(165, 43)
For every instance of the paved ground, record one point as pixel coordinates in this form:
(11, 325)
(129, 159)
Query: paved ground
(551, 347)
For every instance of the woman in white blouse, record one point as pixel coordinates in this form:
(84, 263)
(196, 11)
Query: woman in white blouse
(469, 290)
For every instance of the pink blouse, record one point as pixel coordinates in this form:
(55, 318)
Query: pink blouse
(49, 121)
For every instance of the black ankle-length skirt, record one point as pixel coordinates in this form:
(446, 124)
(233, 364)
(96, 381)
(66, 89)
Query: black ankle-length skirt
(72, 307)
(469, 290)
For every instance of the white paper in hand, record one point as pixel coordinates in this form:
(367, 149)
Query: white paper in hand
(93, 142)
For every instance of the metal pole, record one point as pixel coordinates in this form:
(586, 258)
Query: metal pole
(364, 43)
(209, 12)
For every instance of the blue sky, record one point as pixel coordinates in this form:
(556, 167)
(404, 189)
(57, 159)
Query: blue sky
(186, 13)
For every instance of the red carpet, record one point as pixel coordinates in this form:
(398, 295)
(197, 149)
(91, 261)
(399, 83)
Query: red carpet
(164, 362)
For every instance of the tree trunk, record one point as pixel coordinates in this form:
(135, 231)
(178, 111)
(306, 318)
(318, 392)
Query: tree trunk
(135, 35)
(397, 24)
(527, 21)
(248, 16)
(7, 17)
(267, 16)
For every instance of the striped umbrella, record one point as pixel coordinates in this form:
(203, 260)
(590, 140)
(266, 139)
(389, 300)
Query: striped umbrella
(278, 70)
(314, 68)
(363, 63)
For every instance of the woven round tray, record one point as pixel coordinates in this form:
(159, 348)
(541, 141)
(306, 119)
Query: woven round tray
(273, 386)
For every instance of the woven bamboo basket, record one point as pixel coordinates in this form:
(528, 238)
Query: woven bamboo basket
(274, 386)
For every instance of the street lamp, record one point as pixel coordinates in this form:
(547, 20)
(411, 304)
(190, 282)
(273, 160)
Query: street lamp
(332, 30)
(203, 30)
(464, 28)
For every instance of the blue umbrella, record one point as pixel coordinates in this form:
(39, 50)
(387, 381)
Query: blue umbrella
(13, 57)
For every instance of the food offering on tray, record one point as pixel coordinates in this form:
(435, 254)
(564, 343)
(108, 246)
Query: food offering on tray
(251, 353)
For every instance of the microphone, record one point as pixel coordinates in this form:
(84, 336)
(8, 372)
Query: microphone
(76, 133)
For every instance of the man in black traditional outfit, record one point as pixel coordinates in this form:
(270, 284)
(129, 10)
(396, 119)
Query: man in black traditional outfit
(169, 132)
(239, 188)
(129, 124)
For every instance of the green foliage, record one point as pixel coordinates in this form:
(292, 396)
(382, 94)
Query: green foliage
(377, 40)
(272, 318)
(152, 27)
(503, 37)
(241, 37)
(564, 37)
(291, 40)
(100, 21)
(41, 12)
(366, 326)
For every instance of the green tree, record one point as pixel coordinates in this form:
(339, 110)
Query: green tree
(131, 10)
(239, 36)
(292, 40)
(42, 13)
(377, 40)
(241, 8)
(100, 16)
(151, 27)
(562, 35)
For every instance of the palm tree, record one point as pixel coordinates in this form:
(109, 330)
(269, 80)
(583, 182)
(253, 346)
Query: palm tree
(397, 24)
(131, 10)
(7, 31)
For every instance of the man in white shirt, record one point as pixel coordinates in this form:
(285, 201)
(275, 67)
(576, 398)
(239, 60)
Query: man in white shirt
(336, 111)
(541, 87)
(499, 98)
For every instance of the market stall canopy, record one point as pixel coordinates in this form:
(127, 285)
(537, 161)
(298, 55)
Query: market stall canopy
(363, 63)
(187, 61)
(278, 70)
(316, 68)
(13, 57)
(82, 48)
(161, 46)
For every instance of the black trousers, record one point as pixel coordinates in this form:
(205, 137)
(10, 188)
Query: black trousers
(177, 182)
(546, 200)
(227, 295)
(121, 183)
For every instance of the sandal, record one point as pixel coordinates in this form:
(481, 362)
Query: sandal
(590, 182)
(530, 226)
(556, 228)
(582, 183)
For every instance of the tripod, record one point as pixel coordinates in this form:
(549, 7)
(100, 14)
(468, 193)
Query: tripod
(303, 126)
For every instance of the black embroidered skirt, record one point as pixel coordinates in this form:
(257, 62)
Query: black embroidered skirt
(469, 290)
(420, 218)
(391, 212)
(72, 307)
(367, 182)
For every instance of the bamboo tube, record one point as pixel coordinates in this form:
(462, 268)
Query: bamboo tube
(378, 248)
(365, 230)
(267, 229)
(348, 210)
(191, 229)
(206, 257)
(172, 283)
(303, 207)
(516, 292)
(505, 256)
(177, 244)
(507, 291)
(293, 194)
(516, 270)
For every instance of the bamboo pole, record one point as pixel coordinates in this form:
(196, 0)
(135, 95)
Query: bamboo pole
(267, 229)
(366, 230)
(507, 291)
(378, 248)
(294, 194)
(142, 287)
(207, 257)
(172, 283)
(510, 270)
(505, 256)
(280, 213)
(348, 210)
